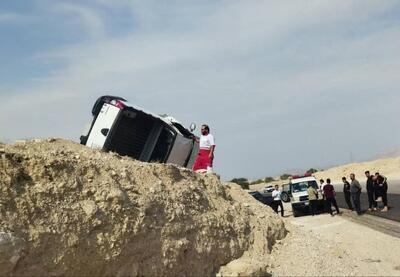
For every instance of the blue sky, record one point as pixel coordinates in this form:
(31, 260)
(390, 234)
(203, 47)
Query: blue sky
(283, 84)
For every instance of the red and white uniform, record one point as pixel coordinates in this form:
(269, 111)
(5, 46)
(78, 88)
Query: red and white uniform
(203, 161)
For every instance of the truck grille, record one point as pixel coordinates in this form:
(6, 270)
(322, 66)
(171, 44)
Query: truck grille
(303, 198)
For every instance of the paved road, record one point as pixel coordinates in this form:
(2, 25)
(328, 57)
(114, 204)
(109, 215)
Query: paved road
(393, 186)
(393, 200)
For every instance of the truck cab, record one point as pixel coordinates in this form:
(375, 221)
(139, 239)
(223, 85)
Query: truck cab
(296, 190)
(132, 131)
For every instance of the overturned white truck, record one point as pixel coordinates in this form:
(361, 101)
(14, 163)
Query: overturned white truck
(120, 127)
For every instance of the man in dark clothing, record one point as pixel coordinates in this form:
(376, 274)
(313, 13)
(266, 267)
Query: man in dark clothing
(355, 190)
(370, 191)
(346, 192)
(381, 188)
(329, 192)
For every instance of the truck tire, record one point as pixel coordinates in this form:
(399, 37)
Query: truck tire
(285, 197)
(295, 211)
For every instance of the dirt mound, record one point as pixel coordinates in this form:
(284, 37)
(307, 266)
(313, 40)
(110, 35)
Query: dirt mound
(389, 167)
(69, 210)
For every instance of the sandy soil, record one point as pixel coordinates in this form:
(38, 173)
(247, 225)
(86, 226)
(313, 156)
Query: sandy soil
(334, 246)
(68, 210)
(389, 167)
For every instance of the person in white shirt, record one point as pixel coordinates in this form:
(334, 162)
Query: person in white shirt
(276, 195)
(205, 158)
(321, 186)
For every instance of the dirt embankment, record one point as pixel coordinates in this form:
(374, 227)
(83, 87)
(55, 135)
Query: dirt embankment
(389, 167)
(69, 210)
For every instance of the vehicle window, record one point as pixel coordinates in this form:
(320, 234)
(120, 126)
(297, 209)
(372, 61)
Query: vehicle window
(313, 184)
(297, 187)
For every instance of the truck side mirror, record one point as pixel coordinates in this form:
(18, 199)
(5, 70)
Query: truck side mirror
(192, 127)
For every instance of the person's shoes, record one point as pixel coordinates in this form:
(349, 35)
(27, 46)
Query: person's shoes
(385, 209)
(369, 209)
(375, 209)
(332, 215)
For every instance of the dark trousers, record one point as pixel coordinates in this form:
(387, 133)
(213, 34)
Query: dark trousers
(371, 199)
(278, 203)
(356, 201)
(313, 206)
(384, 198)
(329, 202)
(382, 193)
(348, 200)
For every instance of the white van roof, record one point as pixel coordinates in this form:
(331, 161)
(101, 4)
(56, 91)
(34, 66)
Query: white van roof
(303, 179)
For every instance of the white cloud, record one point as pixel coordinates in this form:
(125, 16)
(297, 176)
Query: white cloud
(89, 18)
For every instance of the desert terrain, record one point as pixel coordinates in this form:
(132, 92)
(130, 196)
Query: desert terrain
(389, 167)
(68, 210)
(323, 245)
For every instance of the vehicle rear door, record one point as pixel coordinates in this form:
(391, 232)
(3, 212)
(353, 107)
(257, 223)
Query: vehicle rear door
(101, 128)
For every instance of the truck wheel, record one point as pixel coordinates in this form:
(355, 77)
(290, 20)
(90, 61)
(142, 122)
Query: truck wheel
(285, 197)
(295, 211)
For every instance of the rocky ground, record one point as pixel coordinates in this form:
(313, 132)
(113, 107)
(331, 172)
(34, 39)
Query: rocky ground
(68, 210)
(334, 246)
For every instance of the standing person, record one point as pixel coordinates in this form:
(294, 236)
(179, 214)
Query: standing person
(321, 186)
(329, 192)
(382, 186)
(205, 158)
(312, 198)
(276, 194)
(321, 189)
(346, 192)
(370, 192)
(355, 190)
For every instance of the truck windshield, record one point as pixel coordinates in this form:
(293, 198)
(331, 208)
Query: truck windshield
(298, 187)
(302, 186)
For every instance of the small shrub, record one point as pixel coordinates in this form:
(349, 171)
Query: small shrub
(311, 171)
(285, 176)
(269, 179)
(243, 182)
(257, 182)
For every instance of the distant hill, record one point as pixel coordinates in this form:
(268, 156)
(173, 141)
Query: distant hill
(389, 167)
(393, 153)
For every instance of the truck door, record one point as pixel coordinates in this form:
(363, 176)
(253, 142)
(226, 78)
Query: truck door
(101, 128)
(180, 151)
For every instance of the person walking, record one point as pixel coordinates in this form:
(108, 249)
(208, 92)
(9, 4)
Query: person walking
(276, 194)
(346, 192)
(312, 198)
(381, 186)
(205, 158)
(329, 192)
(370, 191)
(355, 190)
